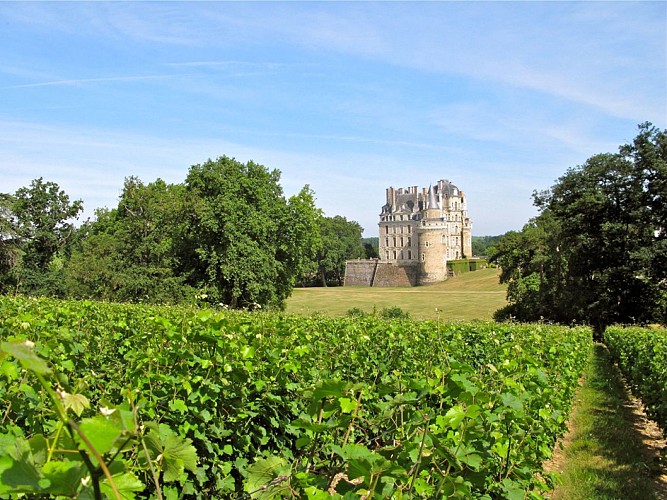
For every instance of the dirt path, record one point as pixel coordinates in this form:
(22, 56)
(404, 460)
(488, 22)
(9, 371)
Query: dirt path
(611, 449)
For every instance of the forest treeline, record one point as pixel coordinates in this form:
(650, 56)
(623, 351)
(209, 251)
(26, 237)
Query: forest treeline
(227, 236)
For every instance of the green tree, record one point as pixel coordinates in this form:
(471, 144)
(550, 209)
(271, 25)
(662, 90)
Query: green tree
(37, 231)
(603, 242)
(372, 247)
(246, 242)
(131, 253)
(43, 212)
(480, 244)
(532, 265)
(10, 253)
(300, 238)
(341, 241)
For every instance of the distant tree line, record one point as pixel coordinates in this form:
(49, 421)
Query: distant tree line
(227, 235)
(597, 251)
(480, 244)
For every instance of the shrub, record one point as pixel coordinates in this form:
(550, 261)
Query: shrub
(394, 312)
(355, 312)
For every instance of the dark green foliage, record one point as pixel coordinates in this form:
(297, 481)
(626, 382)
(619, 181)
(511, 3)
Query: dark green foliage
(226, 236)
(394, 312)
(596, 253)
(35, 237)
(245, 243)
(132, 253)
(341, 241)
(641, 354)
(372, 247)
(10, 253)
(480, 244)
(42, 212)
(465, 265)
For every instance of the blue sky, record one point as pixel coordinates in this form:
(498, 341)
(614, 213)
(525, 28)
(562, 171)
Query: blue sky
(348, 97)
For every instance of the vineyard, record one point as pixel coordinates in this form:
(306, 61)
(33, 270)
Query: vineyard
(104, 400)
(641, 354)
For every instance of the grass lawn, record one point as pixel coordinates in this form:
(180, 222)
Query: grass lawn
(470, 296)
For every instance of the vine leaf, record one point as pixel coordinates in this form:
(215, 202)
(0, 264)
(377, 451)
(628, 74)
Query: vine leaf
(23, 351)
(101, 432)
(17, 467)
(174, 453)
(126, 484)
(76, 402)
(267, 478)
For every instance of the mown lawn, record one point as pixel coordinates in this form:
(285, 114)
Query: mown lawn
(470, 296)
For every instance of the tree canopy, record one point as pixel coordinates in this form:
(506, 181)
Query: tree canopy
(226, 235)
(597, 252)
(36, 230)
(341, 240)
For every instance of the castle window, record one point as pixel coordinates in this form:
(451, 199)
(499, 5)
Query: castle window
(386, 255)
(386, 229)
(394, 254)
(394, 242)
(402, 242)
(409, 241)
(423, 257)
(409, 255)
(427, 244)
(386, 242)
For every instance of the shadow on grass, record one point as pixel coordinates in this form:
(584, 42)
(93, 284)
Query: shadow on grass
(607, 457)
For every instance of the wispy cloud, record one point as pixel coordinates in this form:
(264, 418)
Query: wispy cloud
(83, 81)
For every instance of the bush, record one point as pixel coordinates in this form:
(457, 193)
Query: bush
(355, 312)
(394, 312)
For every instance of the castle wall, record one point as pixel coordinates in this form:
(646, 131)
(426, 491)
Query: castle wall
(372, 272)
(360, 272)
(389, 274)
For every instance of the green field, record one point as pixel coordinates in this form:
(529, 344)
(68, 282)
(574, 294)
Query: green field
(470, 296)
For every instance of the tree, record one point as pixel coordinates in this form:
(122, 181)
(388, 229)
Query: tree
(42, 212)
(244, 247)
(480, 244)
(372, 247)
(131, 253)
(532, 265)
(36, 233)
(604, 239)
(341, 241)
(301, 239)
(10, 253)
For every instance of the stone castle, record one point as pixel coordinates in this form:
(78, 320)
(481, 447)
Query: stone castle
(420, 231)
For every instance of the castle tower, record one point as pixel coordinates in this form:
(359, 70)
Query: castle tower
(432, 236)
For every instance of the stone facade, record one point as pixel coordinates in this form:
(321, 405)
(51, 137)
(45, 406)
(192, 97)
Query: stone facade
(420, 231)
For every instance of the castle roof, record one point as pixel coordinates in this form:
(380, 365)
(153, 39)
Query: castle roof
(447, 188)
(432, 199)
